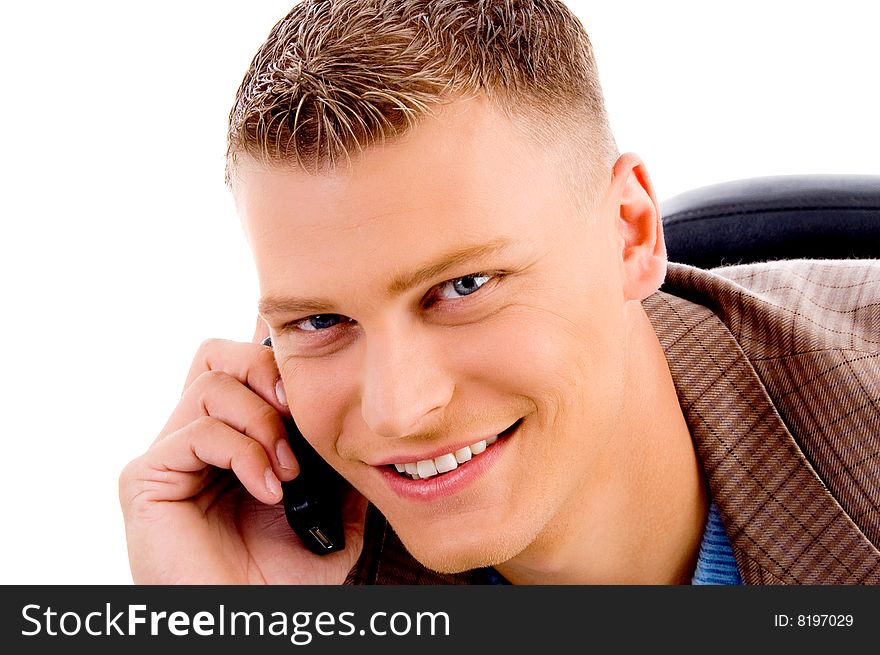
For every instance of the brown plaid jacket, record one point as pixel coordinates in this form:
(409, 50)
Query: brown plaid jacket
(777, 369)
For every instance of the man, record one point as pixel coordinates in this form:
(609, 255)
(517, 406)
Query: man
(460, 277)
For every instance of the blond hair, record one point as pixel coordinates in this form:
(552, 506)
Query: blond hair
(336, 76)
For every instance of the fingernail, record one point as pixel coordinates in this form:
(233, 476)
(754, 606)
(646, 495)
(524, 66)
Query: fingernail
(279, 392)
(285, 455)
(273, 486)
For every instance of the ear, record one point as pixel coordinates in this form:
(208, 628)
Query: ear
(643, 252)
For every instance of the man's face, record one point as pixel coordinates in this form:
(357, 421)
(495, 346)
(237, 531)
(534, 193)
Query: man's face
(444, 291)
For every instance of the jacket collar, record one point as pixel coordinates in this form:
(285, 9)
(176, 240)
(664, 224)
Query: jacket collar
(784, 525)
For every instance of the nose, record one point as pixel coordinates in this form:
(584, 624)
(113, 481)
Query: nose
(405, 382)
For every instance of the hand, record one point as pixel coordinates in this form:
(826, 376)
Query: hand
(201, 506)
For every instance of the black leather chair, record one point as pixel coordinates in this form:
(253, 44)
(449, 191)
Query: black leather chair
(779, 217)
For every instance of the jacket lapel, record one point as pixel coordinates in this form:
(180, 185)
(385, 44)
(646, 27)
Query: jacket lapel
(784, 524)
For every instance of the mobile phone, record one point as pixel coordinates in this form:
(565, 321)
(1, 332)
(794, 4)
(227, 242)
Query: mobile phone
(312, 500)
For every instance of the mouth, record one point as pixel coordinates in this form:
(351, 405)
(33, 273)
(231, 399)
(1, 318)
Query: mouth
(442, 464)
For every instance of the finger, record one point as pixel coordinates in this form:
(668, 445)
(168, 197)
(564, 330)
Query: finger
(261, 330)
(251, 364)
(178, 467)
(218, 395)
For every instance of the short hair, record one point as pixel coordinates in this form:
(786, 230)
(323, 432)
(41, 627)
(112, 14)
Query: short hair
(336, 76)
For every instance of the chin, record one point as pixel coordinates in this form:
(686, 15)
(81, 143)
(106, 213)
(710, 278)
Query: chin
(456, 553)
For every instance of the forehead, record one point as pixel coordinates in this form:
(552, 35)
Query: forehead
(463, 176)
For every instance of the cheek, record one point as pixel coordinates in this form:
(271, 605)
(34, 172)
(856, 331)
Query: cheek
(319, 396)
(549, 355)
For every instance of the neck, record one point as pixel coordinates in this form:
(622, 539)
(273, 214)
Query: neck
(639, 517)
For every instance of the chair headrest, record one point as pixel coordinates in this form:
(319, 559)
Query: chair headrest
(779, 217)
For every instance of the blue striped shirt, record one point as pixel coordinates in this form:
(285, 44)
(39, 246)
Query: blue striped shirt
(715, 563)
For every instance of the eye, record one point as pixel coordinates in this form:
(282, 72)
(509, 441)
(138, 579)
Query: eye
(462, 286)
(319, 322)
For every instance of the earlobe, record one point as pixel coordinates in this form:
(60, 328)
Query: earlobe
(643, 252)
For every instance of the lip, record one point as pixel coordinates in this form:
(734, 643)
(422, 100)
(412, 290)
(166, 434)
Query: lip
(450, 483)
(442, 450)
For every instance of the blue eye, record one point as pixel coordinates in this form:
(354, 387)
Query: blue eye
(319, 322)
(462, 286)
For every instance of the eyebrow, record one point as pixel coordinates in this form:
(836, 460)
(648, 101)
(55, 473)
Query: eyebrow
(274, 305)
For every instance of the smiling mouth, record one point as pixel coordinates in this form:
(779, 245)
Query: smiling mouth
(429, 468)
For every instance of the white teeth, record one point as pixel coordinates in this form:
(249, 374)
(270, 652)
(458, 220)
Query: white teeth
(445, 463)
(463, 454)
(427, 468)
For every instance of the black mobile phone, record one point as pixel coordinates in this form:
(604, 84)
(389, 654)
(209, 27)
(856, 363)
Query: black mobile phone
(313, 499)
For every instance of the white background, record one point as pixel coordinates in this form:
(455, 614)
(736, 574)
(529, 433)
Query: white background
(120, 249)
